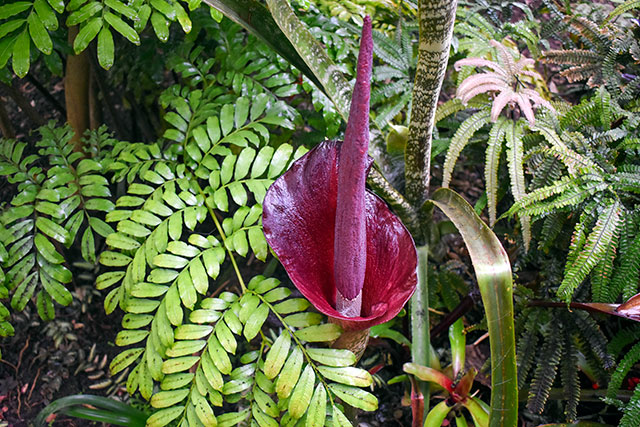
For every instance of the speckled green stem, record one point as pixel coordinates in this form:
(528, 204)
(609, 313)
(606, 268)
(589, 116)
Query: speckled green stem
(436, 18)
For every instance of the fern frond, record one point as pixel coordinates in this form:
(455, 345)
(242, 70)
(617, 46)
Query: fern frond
(627, 273)
(571, 57)
(528, 346)
(569, 376)
(596, 245)
(624, 366)
(546, 370)
(492, 160)
(622, 8)
(631, 410)
(591, 332)
(585, 113)
(513, 138)
(623, 338)
(546, 172)
(551, 228)
(590, 31)
(460, 140)
(602, 272)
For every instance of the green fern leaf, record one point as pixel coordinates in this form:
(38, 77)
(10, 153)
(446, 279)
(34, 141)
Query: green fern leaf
(494, 148)
(631, 410)
(570, 381)
(460, 140)
(513, 136)
(595, 247)
(546, 370)
(624, 366)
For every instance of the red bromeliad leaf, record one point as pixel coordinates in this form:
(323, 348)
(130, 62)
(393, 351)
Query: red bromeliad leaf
(299, 222)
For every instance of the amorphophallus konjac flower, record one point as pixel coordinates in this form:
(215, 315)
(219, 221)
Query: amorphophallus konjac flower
(342, 247)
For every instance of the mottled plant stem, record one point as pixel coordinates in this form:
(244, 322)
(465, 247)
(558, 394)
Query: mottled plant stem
(420, 340)
(436, 18)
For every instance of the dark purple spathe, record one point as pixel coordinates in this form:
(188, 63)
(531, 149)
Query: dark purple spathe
(341, 246)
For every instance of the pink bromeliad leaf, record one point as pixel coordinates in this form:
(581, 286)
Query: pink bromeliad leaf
(342, 247)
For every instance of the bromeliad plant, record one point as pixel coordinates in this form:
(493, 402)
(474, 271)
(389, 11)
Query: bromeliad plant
(456, 386)
(341, 245)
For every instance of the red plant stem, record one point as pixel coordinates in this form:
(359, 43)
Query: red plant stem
(350, 242)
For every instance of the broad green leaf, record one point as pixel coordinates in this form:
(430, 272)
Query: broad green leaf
(219, 356)
(258, 243)
(84, 13)
(292, 305)
(6, 28)
(332, 357)
(124, 359)
(148, 290)
(114, 259)
(255, 321)
(47, 249)
(179, 364)
(86, 35)
(347, 375)
(317, 412)
(57, 5)
(320, 333)
(23, 293)
(226, 338)
(192, 332)
(277, 355)
(279, 160)
(128, 337)
(39, 34)
(302, 320)
(290, 374)
(11, 9)
(339, 419)
(105, 48)
(170, 261)
(185, 347)
(355, 396)
(108, 279)
(493, 272)
(165, 416)
(122, 27)
(437, 414)
(121, 8)
(44, 306)
(21, 55)
(55, 289)
(121, 241)
(88, 246)
(53, 230)
(164, 399)
(266, 403)
(136, 321)
(160, 26)
(212, 374)
(301, 396)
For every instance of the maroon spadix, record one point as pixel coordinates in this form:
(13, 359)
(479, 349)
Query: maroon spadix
(342, 247)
